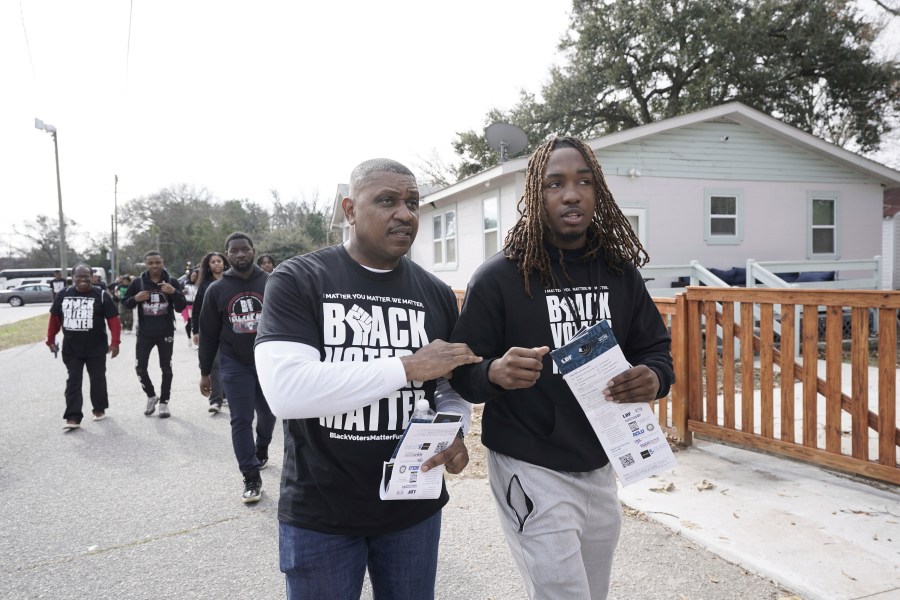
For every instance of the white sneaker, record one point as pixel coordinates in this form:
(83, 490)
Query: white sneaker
(151, 406)
(164, 411)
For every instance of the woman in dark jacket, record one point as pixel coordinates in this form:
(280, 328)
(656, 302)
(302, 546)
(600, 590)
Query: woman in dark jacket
(211, 268)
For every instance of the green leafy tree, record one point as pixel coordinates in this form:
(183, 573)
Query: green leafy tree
(297, 227)
(179, 221)
(240, 215)
(633, 62)
(185, 222)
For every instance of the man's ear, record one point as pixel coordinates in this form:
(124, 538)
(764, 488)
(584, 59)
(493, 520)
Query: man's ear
(348, 207)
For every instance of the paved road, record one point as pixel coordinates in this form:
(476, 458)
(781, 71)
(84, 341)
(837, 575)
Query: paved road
(11, 314)
(142, 508)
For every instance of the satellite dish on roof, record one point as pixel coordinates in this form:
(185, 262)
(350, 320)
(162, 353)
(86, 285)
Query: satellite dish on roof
(506, 139)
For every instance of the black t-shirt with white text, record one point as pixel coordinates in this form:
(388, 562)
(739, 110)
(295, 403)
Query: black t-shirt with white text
(333, 464)
(83, 320)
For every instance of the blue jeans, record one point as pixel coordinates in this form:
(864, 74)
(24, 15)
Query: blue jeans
(402, 565)
(244, 395)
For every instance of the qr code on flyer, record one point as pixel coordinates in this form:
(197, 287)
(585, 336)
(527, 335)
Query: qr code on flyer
(441, 446)
(627, 460)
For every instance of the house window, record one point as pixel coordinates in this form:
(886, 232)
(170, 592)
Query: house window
(490, 225)
(444, 227)
(822, 218)
(637, 218)
(722, 214)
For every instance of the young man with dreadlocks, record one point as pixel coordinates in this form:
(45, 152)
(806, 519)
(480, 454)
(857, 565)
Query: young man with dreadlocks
(569, 262)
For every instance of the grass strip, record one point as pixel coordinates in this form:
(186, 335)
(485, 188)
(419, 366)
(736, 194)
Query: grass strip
(27, 331)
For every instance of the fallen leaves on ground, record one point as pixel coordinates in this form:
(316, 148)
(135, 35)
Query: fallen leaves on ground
(663, 487)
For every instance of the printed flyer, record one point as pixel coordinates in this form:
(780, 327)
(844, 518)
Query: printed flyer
(401, 478)
(629, 433)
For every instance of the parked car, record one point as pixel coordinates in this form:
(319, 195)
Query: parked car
(25, 294)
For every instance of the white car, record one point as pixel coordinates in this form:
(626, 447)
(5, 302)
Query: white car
(27, 294)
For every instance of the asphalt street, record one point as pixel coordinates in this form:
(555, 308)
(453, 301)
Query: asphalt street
(138, 507)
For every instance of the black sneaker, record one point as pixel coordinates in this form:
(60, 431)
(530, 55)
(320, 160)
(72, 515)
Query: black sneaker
(262, 455)
(252, 487)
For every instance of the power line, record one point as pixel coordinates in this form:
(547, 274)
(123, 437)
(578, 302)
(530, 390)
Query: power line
(27, 43)
(128, 47)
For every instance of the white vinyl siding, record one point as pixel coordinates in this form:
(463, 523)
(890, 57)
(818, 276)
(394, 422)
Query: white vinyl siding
(722, 216)
(722, 151)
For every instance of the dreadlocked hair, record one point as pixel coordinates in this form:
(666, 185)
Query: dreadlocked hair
(608, 231)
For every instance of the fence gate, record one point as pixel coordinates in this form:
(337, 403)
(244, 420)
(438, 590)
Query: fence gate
(739, 381)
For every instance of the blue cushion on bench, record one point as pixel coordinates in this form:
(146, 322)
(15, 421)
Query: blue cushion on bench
(738, 276)
(815, 276)
(721, 274)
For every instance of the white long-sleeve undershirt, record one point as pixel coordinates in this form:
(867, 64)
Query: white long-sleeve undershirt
(297, 385)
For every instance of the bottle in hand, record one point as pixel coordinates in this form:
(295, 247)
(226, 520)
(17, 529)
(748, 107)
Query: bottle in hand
(422, 413)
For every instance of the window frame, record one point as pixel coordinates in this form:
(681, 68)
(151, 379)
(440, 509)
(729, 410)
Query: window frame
(484, 250)
(444, 264)
(641, 214)
(811, 227)
(718, 239)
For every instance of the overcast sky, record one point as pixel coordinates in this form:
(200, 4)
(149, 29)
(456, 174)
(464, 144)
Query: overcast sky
(245, 97)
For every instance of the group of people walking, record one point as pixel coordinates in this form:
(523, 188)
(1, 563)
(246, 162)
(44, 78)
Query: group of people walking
(228, 330)
(341, 342)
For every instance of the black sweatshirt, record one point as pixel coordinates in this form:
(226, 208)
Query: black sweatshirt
(543, 424)
(156, 316)
(230, 316)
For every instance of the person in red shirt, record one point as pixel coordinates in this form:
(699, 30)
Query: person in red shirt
(79, 311)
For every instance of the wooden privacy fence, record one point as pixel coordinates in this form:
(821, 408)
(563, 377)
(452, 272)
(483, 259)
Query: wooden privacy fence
(734, 383)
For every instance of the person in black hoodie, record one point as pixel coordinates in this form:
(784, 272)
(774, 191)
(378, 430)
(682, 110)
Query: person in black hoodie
(570, 261)
(158, 299)
(228, 322)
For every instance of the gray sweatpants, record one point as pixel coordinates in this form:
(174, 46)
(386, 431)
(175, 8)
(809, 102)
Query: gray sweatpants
(561, 527)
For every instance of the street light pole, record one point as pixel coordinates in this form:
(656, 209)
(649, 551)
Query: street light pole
(38, 124)
(115, 231)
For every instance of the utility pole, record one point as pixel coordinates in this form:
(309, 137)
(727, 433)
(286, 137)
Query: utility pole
(114, 264)
(38, 124)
